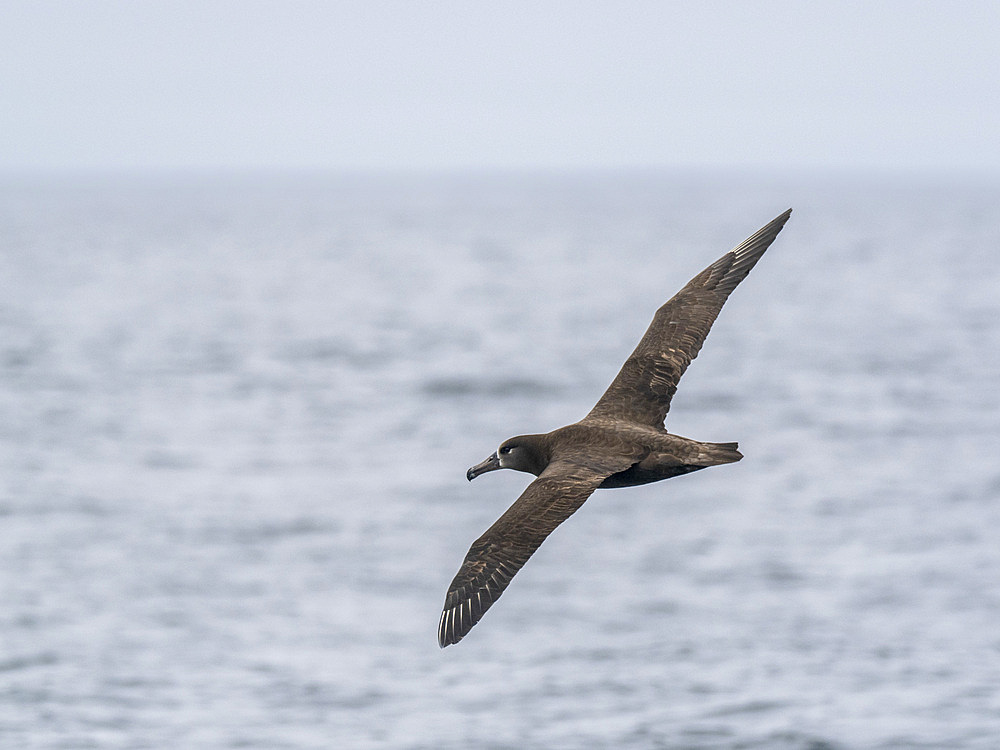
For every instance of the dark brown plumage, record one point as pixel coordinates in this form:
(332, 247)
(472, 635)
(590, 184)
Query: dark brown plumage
(620, 443)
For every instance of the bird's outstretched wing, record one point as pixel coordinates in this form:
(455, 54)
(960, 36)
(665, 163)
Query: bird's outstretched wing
(499, 553)
(642, 390)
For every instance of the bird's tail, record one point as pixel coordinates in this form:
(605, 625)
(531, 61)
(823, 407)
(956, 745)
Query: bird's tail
(713, 454)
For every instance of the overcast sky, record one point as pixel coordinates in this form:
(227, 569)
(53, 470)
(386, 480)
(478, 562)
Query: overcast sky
(899, 84)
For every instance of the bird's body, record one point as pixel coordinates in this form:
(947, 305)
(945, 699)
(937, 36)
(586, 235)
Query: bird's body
(620, 443)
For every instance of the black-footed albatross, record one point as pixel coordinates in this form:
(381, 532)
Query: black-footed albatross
(621, 443)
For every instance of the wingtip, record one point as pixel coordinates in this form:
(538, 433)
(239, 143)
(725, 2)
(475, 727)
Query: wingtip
(450, 638)
(443, 631)
(781, 218)
(776, 223)
(452, 628)
(446, 628)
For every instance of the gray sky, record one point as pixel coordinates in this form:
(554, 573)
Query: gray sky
(892, 84)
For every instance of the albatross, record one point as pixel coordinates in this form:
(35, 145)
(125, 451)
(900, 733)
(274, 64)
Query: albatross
(622, 442)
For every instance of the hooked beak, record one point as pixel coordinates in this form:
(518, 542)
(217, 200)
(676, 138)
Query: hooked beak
(490, 464)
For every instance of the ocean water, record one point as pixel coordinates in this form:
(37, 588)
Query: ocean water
(236, 415)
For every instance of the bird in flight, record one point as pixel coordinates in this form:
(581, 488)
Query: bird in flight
(622, 442)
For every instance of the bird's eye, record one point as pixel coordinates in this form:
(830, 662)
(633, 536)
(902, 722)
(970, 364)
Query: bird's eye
(504, 451)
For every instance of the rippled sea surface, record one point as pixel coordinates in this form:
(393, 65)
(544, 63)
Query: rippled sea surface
(236, 415)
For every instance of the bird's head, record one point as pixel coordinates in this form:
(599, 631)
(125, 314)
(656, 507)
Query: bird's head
(521, 453)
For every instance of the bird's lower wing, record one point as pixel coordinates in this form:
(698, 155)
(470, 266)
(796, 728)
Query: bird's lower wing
(499, 553)
(643, 388)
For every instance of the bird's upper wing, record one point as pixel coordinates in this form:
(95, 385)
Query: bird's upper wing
(499, 553)
(642, 390)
